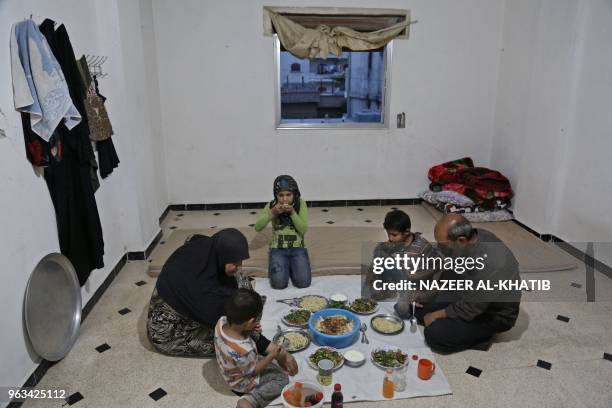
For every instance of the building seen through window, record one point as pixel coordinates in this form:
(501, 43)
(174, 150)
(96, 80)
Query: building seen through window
(340, 89)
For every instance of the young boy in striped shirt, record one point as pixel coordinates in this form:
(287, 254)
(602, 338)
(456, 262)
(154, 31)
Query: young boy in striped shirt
(255, 377)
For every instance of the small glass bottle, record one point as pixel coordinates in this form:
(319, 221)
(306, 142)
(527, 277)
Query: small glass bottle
(388, 391)
(337, 400)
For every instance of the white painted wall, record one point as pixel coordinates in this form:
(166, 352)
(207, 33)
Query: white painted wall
(217, 104)
(553, 125)
(129, 201)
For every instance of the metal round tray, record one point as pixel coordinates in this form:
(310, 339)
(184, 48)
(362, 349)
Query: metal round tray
(388, 317)
(304, 332)
(52, 307)
(317, 296)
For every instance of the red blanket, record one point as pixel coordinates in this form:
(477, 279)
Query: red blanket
(479, 183)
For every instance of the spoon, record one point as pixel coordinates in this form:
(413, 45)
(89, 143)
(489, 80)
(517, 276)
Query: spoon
(364, 339)
(413, 319)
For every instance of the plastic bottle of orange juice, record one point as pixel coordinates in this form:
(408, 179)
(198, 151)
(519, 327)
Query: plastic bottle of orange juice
(388, 391)
(297, 393)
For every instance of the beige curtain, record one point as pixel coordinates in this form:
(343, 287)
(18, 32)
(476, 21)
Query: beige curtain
(308, 43)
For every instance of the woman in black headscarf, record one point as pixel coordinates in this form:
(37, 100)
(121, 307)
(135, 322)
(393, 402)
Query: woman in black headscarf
(191, 292)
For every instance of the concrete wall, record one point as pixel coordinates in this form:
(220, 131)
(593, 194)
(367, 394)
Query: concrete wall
(553, 126)
(218, 104)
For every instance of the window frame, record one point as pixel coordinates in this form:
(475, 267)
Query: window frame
(385, 104)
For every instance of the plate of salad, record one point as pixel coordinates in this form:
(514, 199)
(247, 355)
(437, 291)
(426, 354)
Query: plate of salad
(389, 357)
(297, 318)
(328, 353)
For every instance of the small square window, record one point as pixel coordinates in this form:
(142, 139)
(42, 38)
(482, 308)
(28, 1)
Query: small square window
(345, 91)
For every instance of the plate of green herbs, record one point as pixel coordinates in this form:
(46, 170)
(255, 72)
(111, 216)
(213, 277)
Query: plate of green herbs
(297, 318)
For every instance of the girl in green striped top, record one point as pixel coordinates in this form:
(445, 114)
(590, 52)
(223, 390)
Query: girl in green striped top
(288, 254)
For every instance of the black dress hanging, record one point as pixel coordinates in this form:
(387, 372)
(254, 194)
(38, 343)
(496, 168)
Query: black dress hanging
(69, 179)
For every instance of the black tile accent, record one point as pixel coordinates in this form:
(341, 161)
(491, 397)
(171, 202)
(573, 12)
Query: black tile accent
(214, 226)
(164, 214)
(140, 283)
(173, 227)
(178, 207)
(38, 374)
(330, 222)
(157, 394)
(136, 256)
(153, 244)
(102, 348)
(251, 225)
(315, 204)
(607, 356)
(195, 207)
(162, 242)
(253, 212)
(124, 311)
(362, 203)
(74, 398)
(474, 371)
(576, 285)
(249, 206)
(100, 291)
(231, 206)
(544, 364)
(401, 201)
(360, 209)
(394, 208)
(180, 215)
(368, 221)
(217, 214)
(563, 318)
(325, 210)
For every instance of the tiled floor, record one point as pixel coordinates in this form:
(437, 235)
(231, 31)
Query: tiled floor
(130, 374)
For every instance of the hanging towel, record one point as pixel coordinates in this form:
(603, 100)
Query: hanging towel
(39, 86)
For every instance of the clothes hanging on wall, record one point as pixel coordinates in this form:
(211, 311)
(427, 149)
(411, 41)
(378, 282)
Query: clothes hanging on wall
(107, 157)
(70, 179)
(39, 87)
(100, 127)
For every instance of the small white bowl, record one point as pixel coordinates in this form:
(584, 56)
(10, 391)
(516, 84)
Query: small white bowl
(339, 297)
(354, 358)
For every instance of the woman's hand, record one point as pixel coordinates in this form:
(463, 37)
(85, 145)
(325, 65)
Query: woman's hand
(288, 208)
(276, 210)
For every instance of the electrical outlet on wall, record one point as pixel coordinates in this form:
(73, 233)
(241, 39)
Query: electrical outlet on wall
(401, 120)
